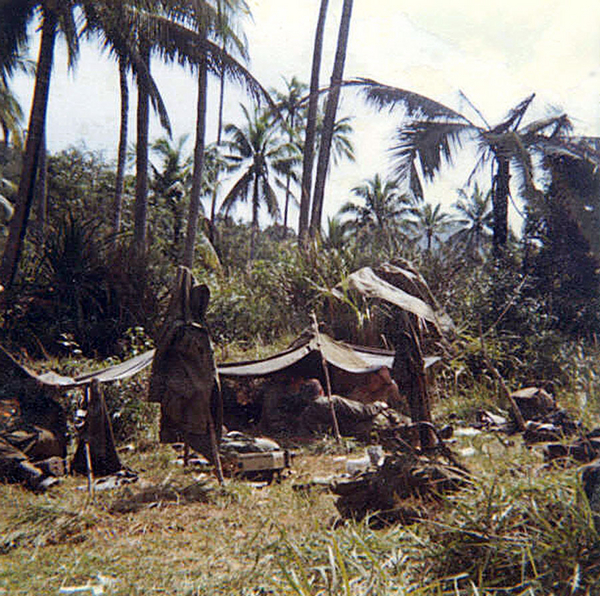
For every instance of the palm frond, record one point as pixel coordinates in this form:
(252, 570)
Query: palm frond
(416, 105)
(68, 26)
(118, 34)
(181, 44)
(553, 127)
(14, 18)
(514, 117)
(431, 141)
(239, 192)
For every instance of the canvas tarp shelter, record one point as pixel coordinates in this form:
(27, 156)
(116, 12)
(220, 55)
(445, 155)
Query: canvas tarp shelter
(400, 285)
(367, 283)
(348, 358)
(19, 382)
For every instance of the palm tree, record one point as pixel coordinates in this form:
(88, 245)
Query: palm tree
(382, 218)
(228, 33)
(342, 146)
(474, 220)
(129, 29)
(337, 233)
(170, 184)
(257, 149)
(177, 31)
(311, 124)
(214, 166)
(15, 16)
(11, 114)
(13, 48)
(208, 58)
(122, 148)
(329, 119)
(430, 223)
(433, 132)
(291, 107)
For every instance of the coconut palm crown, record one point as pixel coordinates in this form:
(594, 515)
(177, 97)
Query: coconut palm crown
(258, 151)
(431, 134)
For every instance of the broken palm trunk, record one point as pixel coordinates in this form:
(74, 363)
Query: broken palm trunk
(184, 377)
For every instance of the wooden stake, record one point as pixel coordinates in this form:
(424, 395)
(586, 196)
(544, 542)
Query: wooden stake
(90, 472)
(336, 428)
(86, 447)
(215, 449)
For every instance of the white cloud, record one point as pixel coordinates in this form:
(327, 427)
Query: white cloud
(497, 52)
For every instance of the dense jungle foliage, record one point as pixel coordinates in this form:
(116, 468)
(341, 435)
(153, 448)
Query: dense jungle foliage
(82, 290)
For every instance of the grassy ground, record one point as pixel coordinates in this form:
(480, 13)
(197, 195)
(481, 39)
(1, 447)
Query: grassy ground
(173, 532)
(523, 528)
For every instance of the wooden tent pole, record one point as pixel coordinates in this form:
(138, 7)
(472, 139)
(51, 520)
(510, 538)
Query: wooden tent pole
(336, 427)
(215, 449)
(86, 443)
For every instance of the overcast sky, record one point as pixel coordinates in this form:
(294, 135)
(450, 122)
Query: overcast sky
(497, 52)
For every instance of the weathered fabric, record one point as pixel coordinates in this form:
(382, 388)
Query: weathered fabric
(184, 376)
(354, 418)
(21, 450)
(97, 432)
(306, 350)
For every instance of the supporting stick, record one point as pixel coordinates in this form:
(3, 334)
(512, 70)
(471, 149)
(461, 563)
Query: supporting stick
(90, 472)
(336, 428)
(215, 449)
(86, 446)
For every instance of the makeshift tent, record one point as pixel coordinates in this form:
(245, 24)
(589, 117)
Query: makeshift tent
(37, 395)
(348, 364)
(409, 292)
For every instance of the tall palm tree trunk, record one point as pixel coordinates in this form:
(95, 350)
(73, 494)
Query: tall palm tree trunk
(141, 183)
(254, 218)
(221, 103)
(311, 125)
(192, 225)
(329, 119)
(288, 182)
(41, 191)
(122, 151)
(500, 204)
(37, 125)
